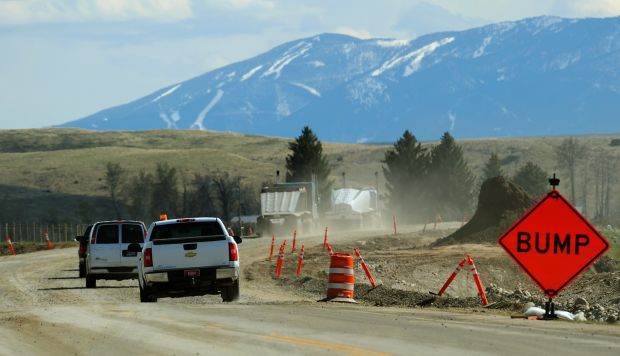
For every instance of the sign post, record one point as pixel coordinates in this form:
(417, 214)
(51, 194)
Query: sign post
(553, 244)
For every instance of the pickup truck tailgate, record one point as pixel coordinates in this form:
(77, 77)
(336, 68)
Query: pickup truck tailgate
(190, 253)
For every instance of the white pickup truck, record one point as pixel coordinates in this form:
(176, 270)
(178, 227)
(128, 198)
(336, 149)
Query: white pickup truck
(188, 257)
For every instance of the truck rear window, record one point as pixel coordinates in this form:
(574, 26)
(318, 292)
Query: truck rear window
(133, 233)
(107, 234)
(187, 230)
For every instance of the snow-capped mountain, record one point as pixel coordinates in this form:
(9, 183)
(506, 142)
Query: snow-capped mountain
(538, 76)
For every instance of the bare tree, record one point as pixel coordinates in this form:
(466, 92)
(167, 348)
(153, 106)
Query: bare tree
(138, 195)
(569, 153)
(604, 167)
(201, 201)
(225, 194)
(164, 192)
(113, 177)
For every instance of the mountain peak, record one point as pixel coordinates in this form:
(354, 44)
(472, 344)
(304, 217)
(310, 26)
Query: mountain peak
(537, 76)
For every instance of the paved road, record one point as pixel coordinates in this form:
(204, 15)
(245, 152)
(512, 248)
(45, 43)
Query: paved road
(45, 309)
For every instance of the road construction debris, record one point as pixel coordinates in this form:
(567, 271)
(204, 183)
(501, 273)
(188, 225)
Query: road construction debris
(408, 269)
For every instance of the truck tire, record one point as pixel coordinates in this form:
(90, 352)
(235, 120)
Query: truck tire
(91, 281)
(146, 297)
(231, 294)
(82, 270)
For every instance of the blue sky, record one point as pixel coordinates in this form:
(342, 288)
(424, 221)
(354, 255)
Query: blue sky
(64, 59)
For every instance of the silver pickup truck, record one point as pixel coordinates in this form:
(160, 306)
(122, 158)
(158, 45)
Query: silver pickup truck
(188, 257)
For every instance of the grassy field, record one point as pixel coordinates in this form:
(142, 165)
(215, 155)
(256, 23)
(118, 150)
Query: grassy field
(72, 162)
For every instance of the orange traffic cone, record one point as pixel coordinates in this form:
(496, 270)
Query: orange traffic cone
(11, 247)
(47, 240)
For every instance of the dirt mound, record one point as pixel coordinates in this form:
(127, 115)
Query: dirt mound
(500, 203)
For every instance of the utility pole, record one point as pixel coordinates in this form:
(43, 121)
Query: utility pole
(239, 205)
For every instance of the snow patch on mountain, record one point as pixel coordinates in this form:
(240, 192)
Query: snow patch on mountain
(417, 55)
(250, 73)
(368, 92)
(283, 109)
(392, 43)
(277, 67)
(307, 88)
(452, 118)
(564, 60)
(167, 92)
(199, 123)
(171, 121)
(480, 51)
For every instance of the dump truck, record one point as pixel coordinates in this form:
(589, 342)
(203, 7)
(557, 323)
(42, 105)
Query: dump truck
(286, 207)
(354, 209)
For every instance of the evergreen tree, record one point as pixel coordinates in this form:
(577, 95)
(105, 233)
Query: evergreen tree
(492, 168)
(533, 179)
(405, 170)
(306, 158)
(451, 179)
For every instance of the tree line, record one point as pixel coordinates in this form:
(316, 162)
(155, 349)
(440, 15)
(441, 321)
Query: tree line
(422, 181)
(147, 194)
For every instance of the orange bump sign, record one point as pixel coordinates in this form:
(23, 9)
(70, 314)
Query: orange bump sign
(553, 243)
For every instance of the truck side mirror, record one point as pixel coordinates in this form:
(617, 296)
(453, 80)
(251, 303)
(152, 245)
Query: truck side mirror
(238, 239)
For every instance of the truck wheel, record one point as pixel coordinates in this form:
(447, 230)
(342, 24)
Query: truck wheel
(145, 297)
(91, 281)
(230, 294)
(82, 270)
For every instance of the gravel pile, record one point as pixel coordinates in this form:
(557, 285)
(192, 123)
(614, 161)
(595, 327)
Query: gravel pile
(500, 203)
(519, 300)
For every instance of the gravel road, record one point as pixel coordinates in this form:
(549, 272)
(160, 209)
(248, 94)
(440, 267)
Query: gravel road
(45, 309)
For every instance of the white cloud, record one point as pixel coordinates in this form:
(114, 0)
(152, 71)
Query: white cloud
(359, 33)
(426, 17)
(591, 7)
(21, 12)
(242, 4)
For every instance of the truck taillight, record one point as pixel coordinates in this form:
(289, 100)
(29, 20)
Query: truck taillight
(82, 249)
(148, 258)
(233, 254)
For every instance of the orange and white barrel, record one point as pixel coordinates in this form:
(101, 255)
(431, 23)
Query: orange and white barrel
(341, 278)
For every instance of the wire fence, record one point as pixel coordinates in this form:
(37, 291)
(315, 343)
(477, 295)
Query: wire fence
(35, 232)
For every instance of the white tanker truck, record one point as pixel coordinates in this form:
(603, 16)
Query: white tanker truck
(354, 209)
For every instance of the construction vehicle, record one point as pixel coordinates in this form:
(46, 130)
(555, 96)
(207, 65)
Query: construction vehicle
(354, 209)
(286, 207)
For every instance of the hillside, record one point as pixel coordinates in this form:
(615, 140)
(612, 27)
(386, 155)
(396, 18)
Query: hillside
(68, 164)
(538, 76)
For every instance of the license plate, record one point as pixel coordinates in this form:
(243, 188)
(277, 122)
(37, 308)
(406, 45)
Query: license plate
(191, 273)
(130, 254)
